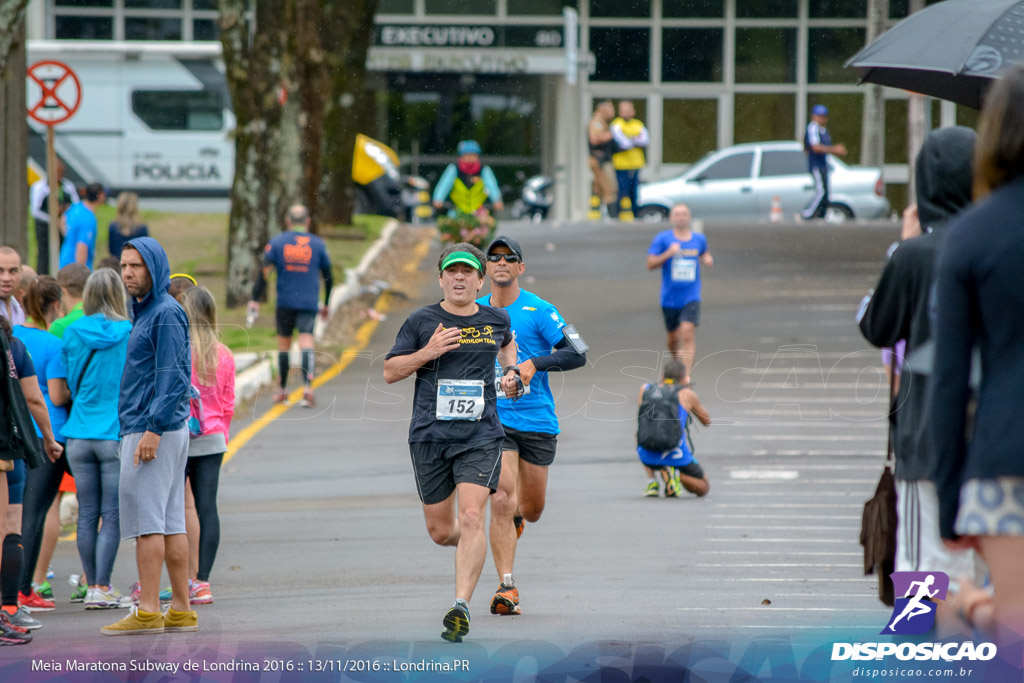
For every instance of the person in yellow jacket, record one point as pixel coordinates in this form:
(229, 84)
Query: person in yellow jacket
(631, 138)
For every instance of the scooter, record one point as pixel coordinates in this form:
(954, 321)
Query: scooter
(536, 200)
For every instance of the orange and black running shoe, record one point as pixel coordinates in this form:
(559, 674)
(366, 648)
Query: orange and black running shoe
(520, 525)
(506, 600)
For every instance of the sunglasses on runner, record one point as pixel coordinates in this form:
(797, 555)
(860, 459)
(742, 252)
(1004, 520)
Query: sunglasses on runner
(509, 258)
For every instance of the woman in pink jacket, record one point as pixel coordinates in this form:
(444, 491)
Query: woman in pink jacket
(213, 374)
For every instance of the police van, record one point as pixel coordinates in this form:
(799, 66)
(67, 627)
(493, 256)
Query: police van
(155, 118)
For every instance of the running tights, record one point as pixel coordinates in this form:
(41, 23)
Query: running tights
(203, 472)
(10, 570)
(41, 487)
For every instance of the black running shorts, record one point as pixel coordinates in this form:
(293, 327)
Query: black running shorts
(288, 319)
(439, 466)
(693, 469)
(674, 317)
(536, 448)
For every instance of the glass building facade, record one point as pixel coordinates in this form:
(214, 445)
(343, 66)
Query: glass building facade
(704, 74)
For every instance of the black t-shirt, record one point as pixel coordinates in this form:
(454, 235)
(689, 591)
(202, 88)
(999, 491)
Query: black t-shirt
(22, 361)
(483, 334)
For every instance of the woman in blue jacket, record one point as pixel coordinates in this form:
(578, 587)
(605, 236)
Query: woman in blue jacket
(95, 348)
(980, 303)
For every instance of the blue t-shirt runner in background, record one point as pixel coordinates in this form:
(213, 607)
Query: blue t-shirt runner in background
(81, 228)
(299, 258)
(537, 327)
(45, 351)
(680, 275)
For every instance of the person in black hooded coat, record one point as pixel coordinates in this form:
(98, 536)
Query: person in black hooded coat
(899, 309)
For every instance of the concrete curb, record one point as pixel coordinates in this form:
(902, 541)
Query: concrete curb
(256, 370)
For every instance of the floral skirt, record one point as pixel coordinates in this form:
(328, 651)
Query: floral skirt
(991, 507)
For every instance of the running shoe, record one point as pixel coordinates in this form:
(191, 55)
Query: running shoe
(506, 600)
(11, 634)
(280, 395)
(34, 603)
(136, 622)
(97, 598)
(135, 592)
(456, 623)
(652, 490)
(307, 400)
(175, 621)
(78, 595)
(44, 590)
(49, 573)
(520, 525)
(22, 619)
(165, 595)
(199, 592)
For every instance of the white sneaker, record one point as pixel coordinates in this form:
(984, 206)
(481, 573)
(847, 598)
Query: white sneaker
(96, 598)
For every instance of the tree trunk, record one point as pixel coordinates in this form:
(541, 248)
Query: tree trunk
(872, 151)
(346, 30)
(268, 169)
(13, 132)
(12, 29)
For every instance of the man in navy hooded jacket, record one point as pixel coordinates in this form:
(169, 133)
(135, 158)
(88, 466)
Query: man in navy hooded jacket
(153, 410)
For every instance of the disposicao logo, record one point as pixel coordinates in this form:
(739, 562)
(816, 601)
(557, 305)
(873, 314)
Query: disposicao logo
(914, 614)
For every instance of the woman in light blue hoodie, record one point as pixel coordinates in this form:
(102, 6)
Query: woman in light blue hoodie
(95, 348)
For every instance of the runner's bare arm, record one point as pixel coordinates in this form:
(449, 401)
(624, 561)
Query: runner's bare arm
(688, 399)
(441, 342)
(655, 260)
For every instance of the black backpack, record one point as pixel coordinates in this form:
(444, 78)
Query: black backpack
(659, 428)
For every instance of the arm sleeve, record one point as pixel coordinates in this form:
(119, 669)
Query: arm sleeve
(657, 246)
(813, 134)
(887, 316)
(955, 333)
(407, 340)
(226, 384)
(621, 140)
(445, 184)
(643, 138)
(173, 372)
(325, 270)
(491, 184)
(564, 357)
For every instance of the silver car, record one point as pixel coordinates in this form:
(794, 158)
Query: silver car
(738, 183)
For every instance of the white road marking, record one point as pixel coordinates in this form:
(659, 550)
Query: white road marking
(812, 437)
(775, 553)
(819, 370)
(796, 453)
(764, 474)
(880, 423)
(802, 517)
(757, 527)
(778, 540)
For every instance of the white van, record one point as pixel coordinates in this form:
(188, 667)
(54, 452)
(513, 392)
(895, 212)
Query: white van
(154, 118)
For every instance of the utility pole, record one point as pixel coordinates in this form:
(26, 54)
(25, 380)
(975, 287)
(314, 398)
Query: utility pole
(872, 151)
(917, 125)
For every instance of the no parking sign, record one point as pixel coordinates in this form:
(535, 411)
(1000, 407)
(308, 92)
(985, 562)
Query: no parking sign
(54, 92)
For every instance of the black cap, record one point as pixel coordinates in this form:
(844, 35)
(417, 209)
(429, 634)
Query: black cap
(502, 240)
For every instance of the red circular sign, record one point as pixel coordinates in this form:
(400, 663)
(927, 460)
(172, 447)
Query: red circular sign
(54, 92)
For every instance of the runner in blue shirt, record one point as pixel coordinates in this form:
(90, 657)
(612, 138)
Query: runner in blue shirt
(818, 145)
(545, 344)
(80, 244)
(299, 259)
(680, 253)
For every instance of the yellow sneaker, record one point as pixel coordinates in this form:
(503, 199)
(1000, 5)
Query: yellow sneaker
(136, 623)
(181, 621)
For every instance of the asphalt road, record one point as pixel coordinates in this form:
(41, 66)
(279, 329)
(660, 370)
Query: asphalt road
(324, 553)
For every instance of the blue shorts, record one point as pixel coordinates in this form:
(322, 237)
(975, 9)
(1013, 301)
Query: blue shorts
(674, 317)
(16, 483)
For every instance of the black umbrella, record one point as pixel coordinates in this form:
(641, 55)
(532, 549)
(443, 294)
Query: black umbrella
(952, 50)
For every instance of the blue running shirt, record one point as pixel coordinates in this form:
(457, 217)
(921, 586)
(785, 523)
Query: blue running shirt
(299, 258)
(680, 275)
(537, 327)
(45, 351)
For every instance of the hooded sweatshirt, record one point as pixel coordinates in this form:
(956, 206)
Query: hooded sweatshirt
(94, 410)
(155, 382)
(899, 307)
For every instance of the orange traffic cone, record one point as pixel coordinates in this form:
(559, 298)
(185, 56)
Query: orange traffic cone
(775, 215)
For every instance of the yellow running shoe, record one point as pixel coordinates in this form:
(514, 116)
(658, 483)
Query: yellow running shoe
(136, 623)
(175, 621)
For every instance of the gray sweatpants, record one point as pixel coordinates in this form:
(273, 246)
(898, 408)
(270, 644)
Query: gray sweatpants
(152, 494)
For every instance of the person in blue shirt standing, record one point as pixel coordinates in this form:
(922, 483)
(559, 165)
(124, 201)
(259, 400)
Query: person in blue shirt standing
(299, 259)
(80, 244)
(545, 344)
(680, 253)
(818, 145)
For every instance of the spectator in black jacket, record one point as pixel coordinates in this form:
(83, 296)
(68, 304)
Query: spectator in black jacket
(898, 309)
(980, 302)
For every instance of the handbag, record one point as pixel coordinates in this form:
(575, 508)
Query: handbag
(878, 522)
